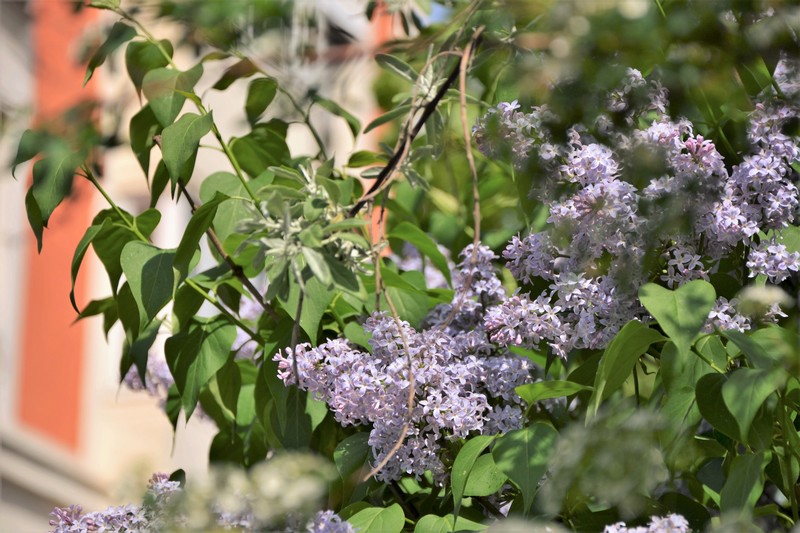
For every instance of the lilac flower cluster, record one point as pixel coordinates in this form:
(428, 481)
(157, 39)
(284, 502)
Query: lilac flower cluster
(280, 492)
(128, 517)
(602, 227)
(524, 134)
(673, 523)
(462, 385)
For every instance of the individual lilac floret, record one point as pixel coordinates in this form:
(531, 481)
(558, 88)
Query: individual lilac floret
(772, 259)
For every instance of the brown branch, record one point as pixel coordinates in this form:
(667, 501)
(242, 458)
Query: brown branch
(405, 143)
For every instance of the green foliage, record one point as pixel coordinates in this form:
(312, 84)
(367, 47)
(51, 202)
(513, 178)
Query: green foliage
(670, 417)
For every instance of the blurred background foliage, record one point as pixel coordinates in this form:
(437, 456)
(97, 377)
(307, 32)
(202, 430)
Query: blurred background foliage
(712, 56)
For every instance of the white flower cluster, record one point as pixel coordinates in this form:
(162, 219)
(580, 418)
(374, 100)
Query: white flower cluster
(673, 523)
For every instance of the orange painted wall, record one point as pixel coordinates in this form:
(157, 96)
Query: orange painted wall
(52, 347)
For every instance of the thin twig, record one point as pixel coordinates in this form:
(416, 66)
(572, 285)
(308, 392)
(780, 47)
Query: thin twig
(412, 390)
(466, 57)
(404, 145)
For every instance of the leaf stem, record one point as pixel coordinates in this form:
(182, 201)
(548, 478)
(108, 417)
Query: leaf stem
(131, 224)
(233, 318)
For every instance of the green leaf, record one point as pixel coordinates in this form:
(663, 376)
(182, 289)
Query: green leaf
(200, 222)
(407, 232)
(353, 123)
(159, 183)
(179, 144)
(379, 520)
(150, 275)
(316, 300)
(194, 357)
(144, 127)
(119, 34)
(463, 465)
(30, 144)
(712, 406)
(744, 484)
(161, 87)
(109, 242)
(106, 307)
(264, 147)
(225, 389)
(397, 66)
(231, 213)
(316, 262)
(243, 68)
(80, 252)
(446, 524)
(351, 454)
(398, 111)
(745, 391)
(143, 56)
(52, 178)
(618, 361)
(364, 158)
(138, 351)
(260, 94)
(680, 373)
(485, 478)
(355, 333)
(680, 313)
(523, 455)
(296, 432)
(34, 218)
(545, 390)
(433, 524)
(755, 353)
(104, 4)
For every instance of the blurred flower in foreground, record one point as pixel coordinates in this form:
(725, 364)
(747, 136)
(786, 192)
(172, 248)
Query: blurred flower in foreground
(614, 460)
(282, 492)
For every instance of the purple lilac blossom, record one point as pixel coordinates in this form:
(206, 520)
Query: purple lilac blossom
(595, 247)
(463, 386)
(328, 522)
(120, 518)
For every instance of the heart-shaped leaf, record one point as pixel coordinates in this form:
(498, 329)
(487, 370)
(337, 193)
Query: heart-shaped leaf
(680, 313)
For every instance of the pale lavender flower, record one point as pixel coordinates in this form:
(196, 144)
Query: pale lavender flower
(772, 259)
(328, 522)
(121, 518)
(724, 316)
(157, 379)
